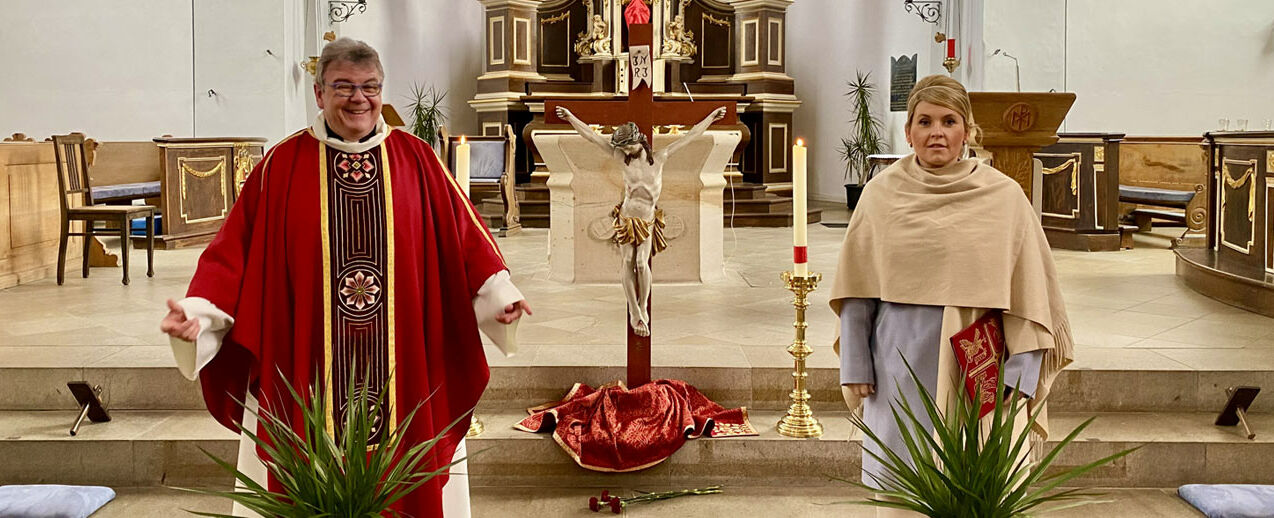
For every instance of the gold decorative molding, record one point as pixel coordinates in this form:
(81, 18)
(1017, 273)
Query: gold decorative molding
(187, 171)
(716, 21)
(1247, 178)
(1073, 164)
(1099, 153)
(1269, 162)
(554, 19)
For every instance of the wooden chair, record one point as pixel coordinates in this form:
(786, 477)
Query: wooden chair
(73, 180)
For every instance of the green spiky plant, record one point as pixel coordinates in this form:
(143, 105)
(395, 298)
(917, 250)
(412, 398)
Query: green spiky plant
(318, 478)
(425, 107)
(963, 469)
(865, 130)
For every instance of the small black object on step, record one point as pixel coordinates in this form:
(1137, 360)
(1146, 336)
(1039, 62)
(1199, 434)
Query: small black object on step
(1235, 411)
(90, 404)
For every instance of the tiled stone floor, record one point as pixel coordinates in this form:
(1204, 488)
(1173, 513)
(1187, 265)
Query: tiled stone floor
(1128, 310)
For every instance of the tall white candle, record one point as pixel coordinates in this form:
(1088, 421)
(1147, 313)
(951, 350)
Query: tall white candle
(800, 213)
(462, 165)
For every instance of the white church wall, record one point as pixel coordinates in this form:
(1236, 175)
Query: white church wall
(143, 68)
(430, 42)
(117, 73)
(833, 38)
(1141, 67)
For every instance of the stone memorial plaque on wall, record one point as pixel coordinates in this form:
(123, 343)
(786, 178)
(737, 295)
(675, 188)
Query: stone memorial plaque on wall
(902, 76)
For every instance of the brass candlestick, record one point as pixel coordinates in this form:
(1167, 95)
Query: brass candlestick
(951, 64)
(799, 421)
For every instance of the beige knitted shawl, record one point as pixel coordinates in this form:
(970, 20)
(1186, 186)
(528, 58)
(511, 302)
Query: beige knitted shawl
(962, 236)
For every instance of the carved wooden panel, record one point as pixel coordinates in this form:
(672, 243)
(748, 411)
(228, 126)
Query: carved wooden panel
(1237, 188)
(751, 43)
(778, 147)
(521, 41)
(559, 28)
(1060, 186)
(199, 188)
(495, 41)
(774, 56)
(713, 30)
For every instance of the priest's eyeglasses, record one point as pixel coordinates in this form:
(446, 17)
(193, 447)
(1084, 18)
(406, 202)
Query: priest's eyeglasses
(348, 89)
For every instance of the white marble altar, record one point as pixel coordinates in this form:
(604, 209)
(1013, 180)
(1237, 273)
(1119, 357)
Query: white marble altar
(584, 186)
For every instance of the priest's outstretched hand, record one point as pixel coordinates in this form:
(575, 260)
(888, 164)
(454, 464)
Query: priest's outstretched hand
(514, 311)
(175, 323)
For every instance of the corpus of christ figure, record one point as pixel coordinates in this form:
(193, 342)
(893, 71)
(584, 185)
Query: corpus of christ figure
(638, 221)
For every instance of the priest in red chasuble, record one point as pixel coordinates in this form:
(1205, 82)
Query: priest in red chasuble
(350, 249)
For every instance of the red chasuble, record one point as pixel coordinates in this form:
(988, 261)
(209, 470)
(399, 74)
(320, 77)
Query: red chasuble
(331, 260)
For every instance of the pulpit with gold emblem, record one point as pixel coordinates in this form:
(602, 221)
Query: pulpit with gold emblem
(1015, 125)
(201, 178)
(1237, 267)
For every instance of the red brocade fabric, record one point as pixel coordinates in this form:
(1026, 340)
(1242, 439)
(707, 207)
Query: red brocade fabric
(979, 349)
(265, 268)
(616, 429)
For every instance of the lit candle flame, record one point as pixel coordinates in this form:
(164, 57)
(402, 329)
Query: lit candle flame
(800, 142)
(462, 140)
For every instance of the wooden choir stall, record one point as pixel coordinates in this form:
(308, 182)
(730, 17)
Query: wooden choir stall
(1237, 265)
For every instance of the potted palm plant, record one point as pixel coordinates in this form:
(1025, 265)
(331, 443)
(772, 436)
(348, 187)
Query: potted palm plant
(425, 107)
(864, 139)
(965, 467)
(317, 476)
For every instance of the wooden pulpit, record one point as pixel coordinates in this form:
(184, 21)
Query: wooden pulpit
(1015, 125)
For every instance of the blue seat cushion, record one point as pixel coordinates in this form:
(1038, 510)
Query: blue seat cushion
(126, 191)
(52, 501)
(1230, 500)
(1153, 196)
(138, 226)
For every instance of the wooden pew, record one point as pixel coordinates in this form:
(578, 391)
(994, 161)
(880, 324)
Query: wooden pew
(1161, 171)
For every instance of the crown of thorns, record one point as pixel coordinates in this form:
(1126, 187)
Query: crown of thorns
(627, 134)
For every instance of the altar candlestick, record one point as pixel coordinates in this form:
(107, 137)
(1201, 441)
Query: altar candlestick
(800, 240)
(462, 165)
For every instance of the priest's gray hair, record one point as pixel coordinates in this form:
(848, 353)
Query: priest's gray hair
(351, 51)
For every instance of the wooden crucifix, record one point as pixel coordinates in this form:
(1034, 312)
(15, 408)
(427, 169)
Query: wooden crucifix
(642, 109)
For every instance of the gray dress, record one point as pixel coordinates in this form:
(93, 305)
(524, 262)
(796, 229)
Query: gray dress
(875, 336)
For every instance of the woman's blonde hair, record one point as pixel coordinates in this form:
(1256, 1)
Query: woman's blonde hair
(947, 93)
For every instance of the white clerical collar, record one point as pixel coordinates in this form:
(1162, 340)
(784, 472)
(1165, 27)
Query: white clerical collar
(319, 130)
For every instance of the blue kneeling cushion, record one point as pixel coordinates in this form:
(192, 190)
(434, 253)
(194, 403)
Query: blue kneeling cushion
(1230, 500)
(50, 501)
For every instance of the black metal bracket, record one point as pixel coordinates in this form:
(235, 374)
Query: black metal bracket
(928, 10)
(340, 10)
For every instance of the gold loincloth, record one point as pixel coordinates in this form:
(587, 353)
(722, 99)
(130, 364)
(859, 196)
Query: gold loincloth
(636, 231)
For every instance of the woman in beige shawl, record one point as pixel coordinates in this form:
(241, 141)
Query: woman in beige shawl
(935, 242)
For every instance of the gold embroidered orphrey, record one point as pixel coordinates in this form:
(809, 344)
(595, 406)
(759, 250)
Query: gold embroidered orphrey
(635, 231)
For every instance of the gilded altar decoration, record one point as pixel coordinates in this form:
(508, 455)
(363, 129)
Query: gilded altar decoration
(554, 19)
(679, 42)
(1099, 154)
(707, 17)
(596, 40)
(242, 164)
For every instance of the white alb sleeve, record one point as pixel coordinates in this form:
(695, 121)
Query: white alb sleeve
(213, 326)
(497, 292)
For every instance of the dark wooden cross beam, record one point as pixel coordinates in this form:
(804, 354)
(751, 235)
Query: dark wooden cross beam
(641, 108)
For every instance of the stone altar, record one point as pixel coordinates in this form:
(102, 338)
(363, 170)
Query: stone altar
(584, 186)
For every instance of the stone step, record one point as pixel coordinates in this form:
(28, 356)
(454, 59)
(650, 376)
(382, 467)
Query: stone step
(150, 448)
(816, 502)
(143, 378)
(772, 205)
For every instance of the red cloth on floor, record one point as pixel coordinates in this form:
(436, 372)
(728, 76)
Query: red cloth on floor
(616, 429)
